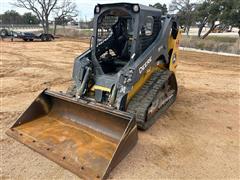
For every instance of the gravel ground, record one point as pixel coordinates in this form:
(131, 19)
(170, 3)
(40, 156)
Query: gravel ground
(198, 137)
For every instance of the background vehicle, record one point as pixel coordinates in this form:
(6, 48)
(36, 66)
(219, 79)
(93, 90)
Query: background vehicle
(26, 36)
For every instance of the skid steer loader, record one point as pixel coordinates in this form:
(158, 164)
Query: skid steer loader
(125, 80)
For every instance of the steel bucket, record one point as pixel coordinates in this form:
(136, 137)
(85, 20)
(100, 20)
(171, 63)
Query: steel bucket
(85, 138)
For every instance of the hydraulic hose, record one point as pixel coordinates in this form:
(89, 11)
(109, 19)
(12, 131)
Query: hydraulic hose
(80, 90)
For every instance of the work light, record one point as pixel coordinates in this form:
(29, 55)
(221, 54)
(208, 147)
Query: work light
(97, 9)
(136, 8)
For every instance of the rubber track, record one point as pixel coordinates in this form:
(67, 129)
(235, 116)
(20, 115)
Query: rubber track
(140, 103)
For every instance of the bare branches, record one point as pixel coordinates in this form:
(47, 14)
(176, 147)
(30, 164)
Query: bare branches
(66, 10)
(185, 11)
(42, 8)
(52, 5)
(64, 13)
(29, 5)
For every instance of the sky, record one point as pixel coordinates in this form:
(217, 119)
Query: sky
(85, 7)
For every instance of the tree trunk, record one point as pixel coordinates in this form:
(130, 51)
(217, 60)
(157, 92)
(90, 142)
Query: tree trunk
(43, 26)
(55, 28)
(201, 26)
(187, 30)
(210, 30)
(200, 30)
(47, 23)
(47, 27)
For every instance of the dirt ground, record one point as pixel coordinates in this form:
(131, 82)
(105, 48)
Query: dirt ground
(198, 137)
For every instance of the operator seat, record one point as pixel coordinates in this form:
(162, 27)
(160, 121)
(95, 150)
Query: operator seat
(120, 34)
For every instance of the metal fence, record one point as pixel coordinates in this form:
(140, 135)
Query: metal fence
(19, 26)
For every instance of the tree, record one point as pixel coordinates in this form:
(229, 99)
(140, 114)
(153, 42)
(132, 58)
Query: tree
(41, 8)
(64, 13)
(202, 16)
(29, 18)
(217, 13)
(185, 12)
(209, 12)
(230, 15)
(11, 17)
(162, 7)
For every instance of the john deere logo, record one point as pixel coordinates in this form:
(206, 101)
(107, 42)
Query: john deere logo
(145, 65)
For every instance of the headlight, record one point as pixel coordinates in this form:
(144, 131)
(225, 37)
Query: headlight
(97, 9)
(136, 8)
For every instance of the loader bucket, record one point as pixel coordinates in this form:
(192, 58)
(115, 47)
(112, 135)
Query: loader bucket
(86, 139)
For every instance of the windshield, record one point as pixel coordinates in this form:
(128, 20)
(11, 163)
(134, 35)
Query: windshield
(114, 39)
(110, 24)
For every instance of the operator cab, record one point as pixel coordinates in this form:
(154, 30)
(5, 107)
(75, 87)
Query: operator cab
(128, 39)
(122, 32)
(114, 40)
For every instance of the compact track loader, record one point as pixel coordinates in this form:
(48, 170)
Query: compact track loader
(125, 80)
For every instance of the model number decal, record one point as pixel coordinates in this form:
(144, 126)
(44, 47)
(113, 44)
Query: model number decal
(145, 65)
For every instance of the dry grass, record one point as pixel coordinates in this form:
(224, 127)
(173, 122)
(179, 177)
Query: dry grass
(213, 43)
(73, 33)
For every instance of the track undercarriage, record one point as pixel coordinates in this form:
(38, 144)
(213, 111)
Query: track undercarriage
(154, 98)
